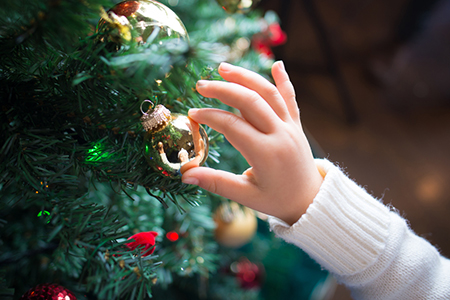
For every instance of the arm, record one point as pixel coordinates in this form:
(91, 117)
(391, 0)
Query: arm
(312, 203)
(368, 247)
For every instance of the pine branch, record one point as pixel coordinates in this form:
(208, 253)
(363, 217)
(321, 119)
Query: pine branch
(72, 145)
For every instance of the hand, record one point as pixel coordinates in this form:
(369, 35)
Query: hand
(283, 179)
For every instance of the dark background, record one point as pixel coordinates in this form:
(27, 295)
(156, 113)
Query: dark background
(373, 86)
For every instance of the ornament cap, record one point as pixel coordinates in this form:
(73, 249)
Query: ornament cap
(155, 119)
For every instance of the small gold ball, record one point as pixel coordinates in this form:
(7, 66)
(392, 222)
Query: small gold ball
(236, 226)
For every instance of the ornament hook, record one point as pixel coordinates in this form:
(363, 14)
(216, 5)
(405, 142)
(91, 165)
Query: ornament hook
(151, 105)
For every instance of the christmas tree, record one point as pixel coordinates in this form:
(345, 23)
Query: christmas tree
(86, 210)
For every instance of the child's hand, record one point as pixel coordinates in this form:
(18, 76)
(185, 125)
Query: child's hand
(283, 179)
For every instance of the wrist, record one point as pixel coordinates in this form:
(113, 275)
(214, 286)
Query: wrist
(306, 198)
(342, 214)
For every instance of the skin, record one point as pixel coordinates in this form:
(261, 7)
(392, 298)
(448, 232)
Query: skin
(199, 148)
(283, 179)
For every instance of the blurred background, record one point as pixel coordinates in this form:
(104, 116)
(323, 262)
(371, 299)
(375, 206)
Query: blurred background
(372, 79)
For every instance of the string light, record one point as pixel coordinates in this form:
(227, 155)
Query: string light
(44, 213)
(172, 236)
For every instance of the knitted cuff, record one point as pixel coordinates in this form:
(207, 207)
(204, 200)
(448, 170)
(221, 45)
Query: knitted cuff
(344, 229)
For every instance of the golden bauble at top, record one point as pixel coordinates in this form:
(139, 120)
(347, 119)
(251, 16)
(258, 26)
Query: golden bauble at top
(238, 6)
(151, 20)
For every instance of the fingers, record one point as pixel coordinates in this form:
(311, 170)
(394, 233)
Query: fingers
(257, 83)
(253, 108)
(286, 89)
(191, 164)
(242, 135)
(228, 185)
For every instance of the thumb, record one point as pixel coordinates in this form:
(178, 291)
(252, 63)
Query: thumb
(226, 184)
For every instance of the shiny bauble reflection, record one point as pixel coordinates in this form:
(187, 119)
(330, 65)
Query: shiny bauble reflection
(152, 21)
(178, 146)
(237, 6)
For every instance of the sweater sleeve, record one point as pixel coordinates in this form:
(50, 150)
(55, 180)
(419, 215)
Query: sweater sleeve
(364, 244)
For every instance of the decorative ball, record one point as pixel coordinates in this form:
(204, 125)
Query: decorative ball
(145, 239)
(237, 6)
(236, 225)
(48, 291)
(250, 275)
(150, 20)
(272, 36)
(173, 143)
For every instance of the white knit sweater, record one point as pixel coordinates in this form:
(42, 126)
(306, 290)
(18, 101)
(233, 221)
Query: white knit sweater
(365, 245)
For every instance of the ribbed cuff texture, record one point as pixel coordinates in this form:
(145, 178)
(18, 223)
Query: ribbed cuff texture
(344, 229)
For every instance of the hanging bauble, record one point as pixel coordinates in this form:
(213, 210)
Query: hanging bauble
(271, 36)
(236, 225)
(145, 240)
(250, 275)
(48, 291)
(237, 6)
(173, 143)
(152, 21)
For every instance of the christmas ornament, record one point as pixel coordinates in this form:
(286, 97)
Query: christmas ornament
(150, 20)
(237, 6)
(146, 239)
(236, 225)
(250, 275)
(48, 291)
(173, 143)
(272, 36)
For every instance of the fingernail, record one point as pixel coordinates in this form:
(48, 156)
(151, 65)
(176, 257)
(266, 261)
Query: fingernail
(202, 83)
(282, 65)
(225, 66)
(192, 112)
(190, 180)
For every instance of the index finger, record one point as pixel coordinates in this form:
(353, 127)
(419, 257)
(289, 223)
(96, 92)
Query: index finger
(257, 83)
(252, 106)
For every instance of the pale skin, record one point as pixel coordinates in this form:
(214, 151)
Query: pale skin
(283, 179)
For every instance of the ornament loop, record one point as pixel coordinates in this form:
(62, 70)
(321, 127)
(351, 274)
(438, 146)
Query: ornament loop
(151, 105)
(156, 118)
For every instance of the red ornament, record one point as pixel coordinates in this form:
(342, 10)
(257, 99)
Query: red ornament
(271, 37)
(172, 236)
(48, 291)
(249, 275)
(146, 239)
(261, 47)
(277, 36)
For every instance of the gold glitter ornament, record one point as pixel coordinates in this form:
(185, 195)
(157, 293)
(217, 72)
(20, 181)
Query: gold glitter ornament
(237, 6)
(173, 143)
(151, 20)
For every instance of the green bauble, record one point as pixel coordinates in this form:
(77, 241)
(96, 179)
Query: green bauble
(237, 6)
(173, 143)
(152, 21)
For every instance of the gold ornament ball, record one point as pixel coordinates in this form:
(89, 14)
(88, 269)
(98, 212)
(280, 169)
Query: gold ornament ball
(237, 6)
(173, 143)
(151, 20)
(236, 225)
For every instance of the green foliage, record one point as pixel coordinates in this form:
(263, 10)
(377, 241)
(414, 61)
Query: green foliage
(71, 144)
